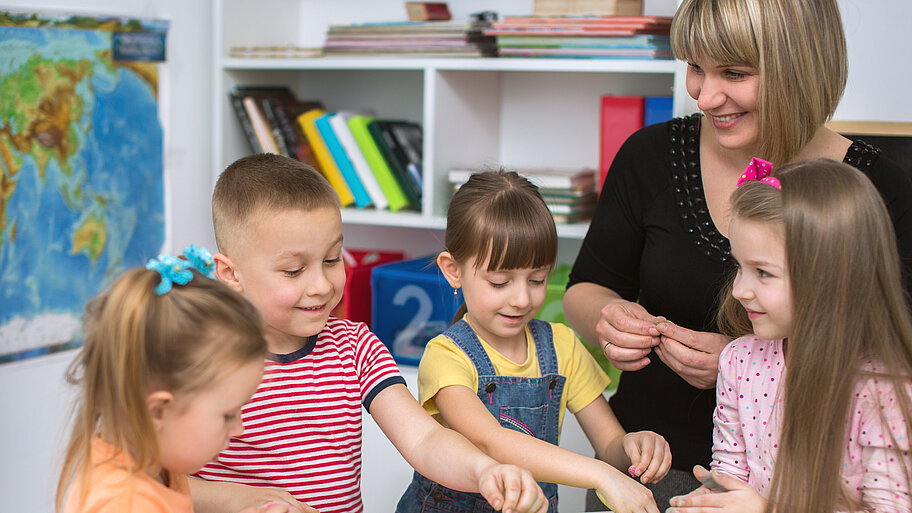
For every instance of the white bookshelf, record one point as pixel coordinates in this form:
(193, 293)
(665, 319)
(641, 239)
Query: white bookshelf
(475, 112)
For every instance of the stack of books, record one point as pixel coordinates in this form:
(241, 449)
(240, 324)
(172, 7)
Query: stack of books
(598, 37)
(411, 38)
(369, 162)
(569, 193)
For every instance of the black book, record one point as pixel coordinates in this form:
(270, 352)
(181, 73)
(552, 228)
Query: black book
(400, 143)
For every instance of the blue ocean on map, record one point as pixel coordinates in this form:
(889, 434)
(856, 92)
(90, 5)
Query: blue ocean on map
(83, 205)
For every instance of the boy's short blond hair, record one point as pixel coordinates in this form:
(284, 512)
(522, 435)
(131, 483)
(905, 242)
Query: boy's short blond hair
(264, 182)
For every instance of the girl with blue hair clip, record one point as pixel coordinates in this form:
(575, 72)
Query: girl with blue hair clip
(169, 358)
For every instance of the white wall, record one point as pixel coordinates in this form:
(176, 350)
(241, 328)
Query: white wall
(879, 47)
(33, 397)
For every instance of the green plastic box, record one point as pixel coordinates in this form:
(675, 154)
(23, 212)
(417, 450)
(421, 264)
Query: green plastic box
(553, 311)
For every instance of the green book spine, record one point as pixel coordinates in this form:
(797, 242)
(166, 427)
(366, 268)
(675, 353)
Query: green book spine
(388, 183)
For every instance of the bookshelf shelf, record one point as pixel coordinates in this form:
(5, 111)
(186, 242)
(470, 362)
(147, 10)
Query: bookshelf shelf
(369, 217)
(475, 112)
(466, 64)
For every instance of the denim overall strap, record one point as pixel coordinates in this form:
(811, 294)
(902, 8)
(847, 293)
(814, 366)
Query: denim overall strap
(530, 405)
(465, 338)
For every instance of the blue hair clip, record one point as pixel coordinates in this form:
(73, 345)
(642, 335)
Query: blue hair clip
(178, 270)
(201, 260)
(172, 270)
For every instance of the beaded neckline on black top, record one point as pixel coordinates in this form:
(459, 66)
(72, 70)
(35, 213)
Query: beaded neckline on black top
(687, 183)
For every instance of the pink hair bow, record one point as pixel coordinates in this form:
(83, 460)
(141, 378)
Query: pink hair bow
(759, 170)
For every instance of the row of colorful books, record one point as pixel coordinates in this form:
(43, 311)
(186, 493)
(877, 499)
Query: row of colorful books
(570, 193)
(411, 38)
(600, 37)
(369, 162)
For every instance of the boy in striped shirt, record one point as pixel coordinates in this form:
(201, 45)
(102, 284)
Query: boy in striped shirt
(278, 228)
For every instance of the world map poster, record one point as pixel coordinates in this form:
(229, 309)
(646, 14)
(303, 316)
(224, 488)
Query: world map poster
(81, 173)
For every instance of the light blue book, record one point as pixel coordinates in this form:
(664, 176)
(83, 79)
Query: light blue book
(342, 161)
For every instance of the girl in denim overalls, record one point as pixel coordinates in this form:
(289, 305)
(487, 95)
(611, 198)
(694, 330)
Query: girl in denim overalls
(503, 379)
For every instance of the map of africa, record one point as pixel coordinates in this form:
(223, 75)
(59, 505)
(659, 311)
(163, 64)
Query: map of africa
(81, 186)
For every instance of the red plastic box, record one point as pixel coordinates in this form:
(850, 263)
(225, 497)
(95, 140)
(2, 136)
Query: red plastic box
(356, 298)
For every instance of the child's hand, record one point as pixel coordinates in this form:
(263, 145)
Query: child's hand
(740, 497)
(511, 489)
(650, 456)
(278, 507)
(623, 495)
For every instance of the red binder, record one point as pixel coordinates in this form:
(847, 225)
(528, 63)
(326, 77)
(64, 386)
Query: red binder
(621, 116)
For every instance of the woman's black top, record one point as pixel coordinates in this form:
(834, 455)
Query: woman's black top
(652, 240)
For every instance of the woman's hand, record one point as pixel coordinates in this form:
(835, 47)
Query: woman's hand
(627, 333)
(740, 497)
(650, 456)
(511, 489)
(693, 355)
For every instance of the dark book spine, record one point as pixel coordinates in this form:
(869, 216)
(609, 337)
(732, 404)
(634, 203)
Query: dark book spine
(270, 108)
(237, 103)
(386, 144)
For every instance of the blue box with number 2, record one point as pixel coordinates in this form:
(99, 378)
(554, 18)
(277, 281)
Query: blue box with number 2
(411, 304)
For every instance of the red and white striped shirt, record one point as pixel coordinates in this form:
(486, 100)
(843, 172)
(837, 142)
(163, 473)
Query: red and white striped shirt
(302, 427)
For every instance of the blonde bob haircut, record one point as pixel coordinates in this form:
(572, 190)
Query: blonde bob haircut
(798, 48)
(848, 307)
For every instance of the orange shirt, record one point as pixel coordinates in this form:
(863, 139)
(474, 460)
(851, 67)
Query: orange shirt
(114, 488)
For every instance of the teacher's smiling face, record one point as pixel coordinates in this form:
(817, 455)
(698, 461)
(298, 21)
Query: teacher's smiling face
(728, 94)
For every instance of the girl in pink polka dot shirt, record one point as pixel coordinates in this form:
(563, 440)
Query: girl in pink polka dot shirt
(813, 399)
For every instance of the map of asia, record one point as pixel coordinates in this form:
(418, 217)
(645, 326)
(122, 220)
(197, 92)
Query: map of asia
(81, 184)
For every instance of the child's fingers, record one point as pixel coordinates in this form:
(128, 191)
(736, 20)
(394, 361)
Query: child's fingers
(490, 490)
(661, 460)
(530, 498)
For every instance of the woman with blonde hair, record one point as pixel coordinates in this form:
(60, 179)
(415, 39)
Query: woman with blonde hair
(766, 75)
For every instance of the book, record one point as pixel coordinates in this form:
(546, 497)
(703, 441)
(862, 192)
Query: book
(343, 162)
(427, 11)
(237, 104)
(591, 53)
(286, 112)
(257, 106)
(621, 116)
(388, 184)
(327, 165)
(261, 128)
(437, 38)
(273, 123)
(295, 142)
(388, 135)
(339, 124)
(658, 109)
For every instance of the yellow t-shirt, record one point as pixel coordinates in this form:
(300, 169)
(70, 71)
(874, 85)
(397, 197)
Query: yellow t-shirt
(445, 364)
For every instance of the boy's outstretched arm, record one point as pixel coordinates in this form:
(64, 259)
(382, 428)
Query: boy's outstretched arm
(644, 455)
(446, 457)
(463, 412)
(225, 497)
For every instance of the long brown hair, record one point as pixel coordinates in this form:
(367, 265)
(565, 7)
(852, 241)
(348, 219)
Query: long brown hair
(797, 46)
(848, 306)
(500, 216)
(180, 341)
